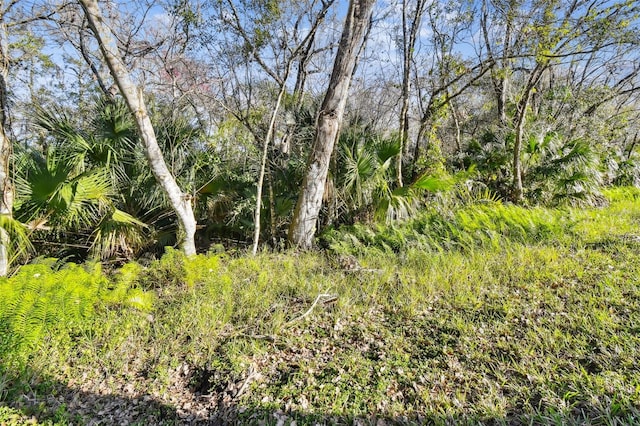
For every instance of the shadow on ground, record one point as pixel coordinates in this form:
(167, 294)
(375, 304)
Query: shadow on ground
(58, 404)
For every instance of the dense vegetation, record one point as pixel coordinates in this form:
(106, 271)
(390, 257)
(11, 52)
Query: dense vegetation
(319, 211)
(533, 102)
(531, 319)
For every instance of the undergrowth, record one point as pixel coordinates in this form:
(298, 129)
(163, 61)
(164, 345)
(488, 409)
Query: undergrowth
(489, 225)
(46, 306)
(490, 314)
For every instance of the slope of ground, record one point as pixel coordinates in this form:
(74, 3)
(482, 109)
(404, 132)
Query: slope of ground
(486, 315)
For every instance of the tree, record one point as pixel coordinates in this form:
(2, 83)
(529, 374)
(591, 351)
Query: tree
(6, 189)
(291, 51)
(180, 202)
(12, 16)
(447, 73)
(410, 31)
(538, 37)
(303, 225)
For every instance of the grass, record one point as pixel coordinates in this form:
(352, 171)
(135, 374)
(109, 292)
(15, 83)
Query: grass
(500, 316)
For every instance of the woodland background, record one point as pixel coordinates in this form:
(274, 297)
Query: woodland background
(533, 102)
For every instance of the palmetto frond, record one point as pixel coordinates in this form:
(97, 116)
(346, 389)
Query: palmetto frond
(118, 232)
(366, 176)
(386, 148)
(108, 142)
(17, 235)
(567, 172)
(50, 189)
(113, 122)
(628, 172)
(69, 143)
(396, 205)
(359, 166)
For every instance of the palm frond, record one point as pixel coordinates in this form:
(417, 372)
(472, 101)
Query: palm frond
(118, 233)
(434, 183)
(70, 144)
(87, 196)
(386, 148)
(17, 237)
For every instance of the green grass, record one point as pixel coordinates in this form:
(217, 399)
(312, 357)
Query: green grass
(489, 314)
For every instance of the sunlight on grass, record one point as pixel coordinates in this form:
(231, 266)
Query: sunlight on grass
(513, 327)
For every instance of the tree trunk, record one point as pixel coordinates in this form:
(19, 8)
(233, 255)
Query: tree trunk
(518, 191)
(180, 202)
(272, 209)
(520, 120)
(305, 217)
(6, 188)
(263, 164)
(409, 37)
(426, 126)
(456, 124)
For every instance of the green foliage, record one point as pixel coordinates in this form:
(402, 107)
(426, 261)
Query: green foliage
(11, 417)
(489, 154)
(50, 188)
(124, 289)
(226, 203)
(365, 160)
(366, 177)
(39, 301)
(622, 194)
(89, 191)
(556, 171)
(433, 183)
(488, 224)
(70, 191)
(19, 243)
(173, 269)
(565, 172)
(167, 271)
(523, 325)
(626, 171)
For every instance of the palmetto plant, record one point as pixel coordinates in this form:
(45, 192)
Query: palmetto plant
(88, 182)
(55, 199)
(366, 176)
(67, 190)
(53, 190)
(627, 171)
(556, 170)
(490, 155)
(563, 171)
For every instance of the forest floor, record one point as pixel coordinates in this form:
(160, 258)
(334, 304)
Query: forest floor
(507, 330)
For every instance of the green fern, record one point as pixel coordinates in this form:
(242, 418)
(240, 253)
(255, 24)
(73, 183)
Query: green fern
(39, 301)
(487, 224)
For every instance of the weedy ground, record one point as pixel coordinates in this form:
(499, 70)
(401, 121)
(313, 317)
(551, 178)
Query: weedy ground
(483, 314)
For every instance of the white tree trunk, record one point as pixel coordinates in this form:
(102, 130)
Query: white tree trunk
(180, 202)
(6, 188)
(263, 165)
(305, 216)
